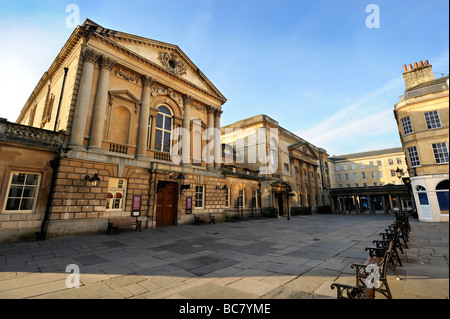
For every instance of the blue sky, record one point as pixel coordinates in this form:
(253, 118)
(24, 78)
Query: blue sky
(313, 66)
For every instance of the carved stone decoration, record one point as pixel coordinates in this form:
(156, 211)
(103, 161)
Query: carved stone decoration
(126, 74)
(187, 99)
(172, 62)
(158, 90)
(107, 63)
(89, 55)
(199, 107)
(147, 81)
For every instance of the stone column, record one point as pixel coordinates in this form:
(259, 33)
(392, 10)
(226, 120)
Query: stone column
(209, 138)
(141, 147)
(186, 134)
(217, 140)
(101, 100)
(83, 98)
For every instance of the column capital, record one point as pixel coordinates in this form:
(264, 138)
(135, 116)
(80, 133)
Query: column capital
(187, 99)
(147, 81)
(211, 110)
(89, 55)
(107, 63)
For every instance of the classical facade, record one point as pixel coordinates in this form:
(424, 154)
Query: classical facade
(370, 181)
(295, 175)
(138, 116)
(423, 122)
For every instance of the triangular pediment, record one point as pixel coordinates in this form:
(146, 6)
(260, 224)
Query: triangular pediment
(303, 149)
(166, 56)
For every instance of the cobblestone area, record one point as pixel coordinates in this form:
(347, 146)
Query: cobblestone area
(266, 258)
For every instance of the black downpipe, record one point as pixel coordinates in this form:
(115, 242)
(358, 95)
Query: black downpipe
(60, 98)
(55, 165)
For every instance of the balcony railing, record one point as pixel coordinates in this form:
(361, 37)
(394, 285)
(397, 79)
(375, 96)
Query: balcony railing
(161, 156)
(118, 148)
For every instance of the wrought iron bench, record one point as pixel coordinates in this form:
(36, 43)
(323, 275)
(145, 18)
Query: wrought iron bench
(117, 223)
(353, 292)
(200, 218)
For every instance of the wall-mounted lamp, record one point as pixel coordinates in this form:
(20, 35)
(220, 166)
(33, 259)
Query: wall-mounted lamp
(183, 188)
(94, 180)
(224, 188)
(399, 172)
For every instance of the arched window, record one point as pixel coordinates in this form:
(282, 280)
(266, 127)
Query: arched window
(442, 196)
(163, 129)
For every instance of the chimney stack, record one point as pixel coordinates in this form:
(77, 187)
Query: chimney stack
(420, 73)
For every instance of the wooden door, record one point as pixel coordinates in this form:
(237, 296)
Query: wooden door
(166, 206)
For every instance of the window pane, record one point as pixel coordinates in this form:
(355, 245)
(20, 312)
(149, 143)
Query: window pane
(168, 123)
(166, 147)
(443, 201)
(423, 199)
(26, 204)
(13, 204)
(29, 191)
(32, 179)
(159, 120)
(15, 191)
(158, 140)
(165, 110)
(18, 178)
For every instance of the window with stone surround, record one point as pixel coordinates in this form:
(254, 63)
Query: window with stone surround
(440, 152)
(163, 129)
(199, 197)
(22, 192)
(117, 190)
(241, 199)
(413, 156)
(228, 198)
(407, 127)
(433, 120)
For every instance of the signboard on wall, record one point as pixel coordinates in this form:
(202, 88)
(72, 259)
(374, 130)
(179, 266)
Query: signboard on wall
(188, 205)
(136, 210)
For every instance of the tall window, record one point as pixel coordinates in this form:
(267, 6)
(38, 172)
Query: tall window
(363, 175)
(199, 196)
(440, 151)
(407, 127)
(255, 199)
(163, 129)
(273, 155)
(374, 174)
(241, 199)
(432, 119)
(413, 156)
(442, 196)
(149, 132)
(22, 192)
(117, 189)
(228, 198)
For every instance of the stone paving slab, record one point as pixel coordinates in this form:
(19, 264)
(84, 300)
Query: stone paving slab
(265, 258)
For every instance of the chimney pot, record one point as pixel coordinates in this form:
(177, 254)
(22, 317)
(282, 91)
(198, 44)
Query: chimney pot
(415, 65)
(410, 67)
(420, 63)
(404, 68)
(426, 62)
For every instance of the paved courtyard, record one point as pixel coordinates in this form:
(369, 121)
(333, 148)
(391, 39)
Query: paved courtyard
(265, 258)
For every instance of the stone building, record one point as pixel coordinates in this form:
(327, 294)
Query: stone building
(138, 116)
(295, 175)
(28, 158)
(422, 116)
(368, 181)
